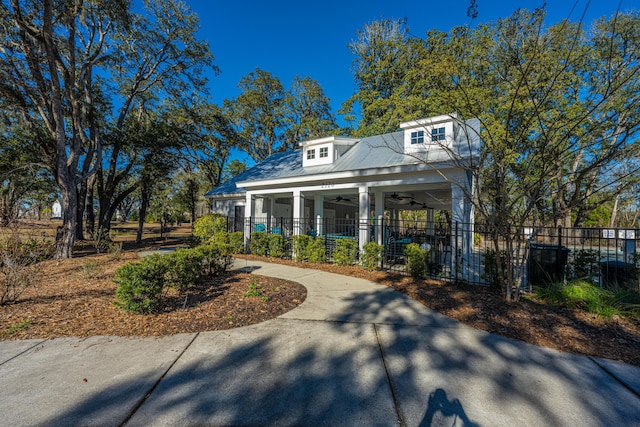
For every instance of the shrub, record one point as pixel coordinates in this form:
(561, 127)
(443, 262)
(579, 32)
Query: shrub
(205, 227)
(276, 246)
(491, 267)
(216, 257)
(220, 237)
(586, 264)
(236, 240)
(140, 285)
(345, 252)
(316, 250)
(184, 268)
(416, 260)
(372, 256)
(259, 244)
(17, 257)
(299, 247)
(102, 241)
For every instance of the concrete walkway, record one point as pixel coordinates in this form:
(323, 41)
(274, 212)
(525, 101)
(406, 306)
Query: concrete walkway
(354, 353)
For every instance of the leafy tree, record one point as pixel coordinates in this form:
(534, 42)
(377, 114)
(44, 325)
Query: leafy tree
(558, 112)
(385, 54)
(258, 113)
(159, 57)
(48, 54)
(270, 118)
(308, 113)
(55, 59)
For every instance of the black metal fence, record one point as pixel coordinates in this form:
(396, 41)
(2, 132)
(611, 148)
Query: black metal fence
(468, 252)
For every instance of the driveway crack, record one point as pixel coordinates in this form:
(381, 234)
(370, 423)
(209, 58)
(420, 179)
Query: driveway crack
(155, 385)
(396, 404)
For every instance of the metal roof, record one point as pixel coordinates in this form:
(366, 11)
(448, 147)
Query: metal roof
(374, 152)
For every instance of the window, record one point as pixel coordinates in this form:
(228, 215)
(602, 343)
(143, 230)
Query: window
(437, 134)
(311, 154)
(417, 137)
(324, 152)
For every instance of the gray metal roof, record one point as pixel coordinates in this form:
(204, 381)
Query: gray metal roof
(370, 153)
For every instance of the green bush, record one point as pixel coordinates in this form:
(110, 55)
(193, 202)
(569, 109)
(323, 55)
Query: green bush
(184, 268)
(140, 285)
(205, 227)
(300, 247)
(586, 264)
(276, 246)
(259, 244)
(220, 237)
(491, 267)
(346, 252)
(216, 257)
(372, 256)
(236, 240)
(316, 250)
(416, 260)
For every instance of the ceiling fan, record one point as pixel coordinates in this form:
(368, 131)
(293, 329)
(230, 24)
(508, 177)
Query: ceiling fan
(396, 196)
(424, 205)
(341, 199)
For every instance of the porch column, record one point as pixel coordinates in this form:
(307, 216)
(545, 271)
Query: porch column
(363, 216)
(462, 214)
(298, 212)
(379, 195)
(431, 222)
(318, 210)
(272, 210)
(248, 214)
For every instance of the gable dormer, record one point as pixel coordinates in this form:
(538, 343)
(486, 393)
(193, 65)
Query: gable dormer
(424, 134)
(325, 151)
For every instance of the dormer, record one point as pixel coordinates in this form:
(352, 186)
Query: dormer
(325, 151)
(424, 134)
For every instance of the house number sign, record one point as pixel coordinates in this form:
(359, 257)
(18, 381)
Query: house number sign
(328, 184)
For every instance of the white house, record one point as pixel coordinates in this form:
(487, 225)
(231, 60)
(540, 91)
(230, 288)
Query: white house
(333, 181)
(56, 210)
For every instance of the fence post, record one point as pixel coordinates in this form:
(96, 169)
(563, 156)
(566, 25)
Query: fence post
(559, 236)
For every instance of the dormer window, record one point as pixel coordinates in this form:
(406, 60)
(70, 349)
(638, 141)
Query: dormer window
(324, 151)
(417, 137)
(311, 154)
(437, 134)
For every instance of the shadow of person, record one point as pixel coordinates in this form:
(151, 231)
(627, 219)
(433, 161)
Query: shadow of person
(442, 411)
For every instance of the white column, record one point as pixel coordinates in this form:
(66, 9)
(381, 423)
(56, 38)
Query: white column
(248, 214)
(298, 212)
(363, 216)
(462, 215)
(318, 210)
(379, 195)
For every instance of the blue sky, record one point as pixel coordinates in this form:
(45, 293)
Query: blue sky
(309, 38)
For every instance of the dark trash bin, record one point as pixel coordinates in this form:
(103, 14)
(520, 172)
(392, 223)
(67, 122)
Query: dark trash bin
(618, 274)
(546, 264)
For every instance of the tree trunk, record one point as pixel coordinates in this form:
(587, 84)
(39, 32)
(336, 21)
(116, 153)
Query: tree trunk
(82, 195)
(143, 213)
(65, 235)
(91, 215)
